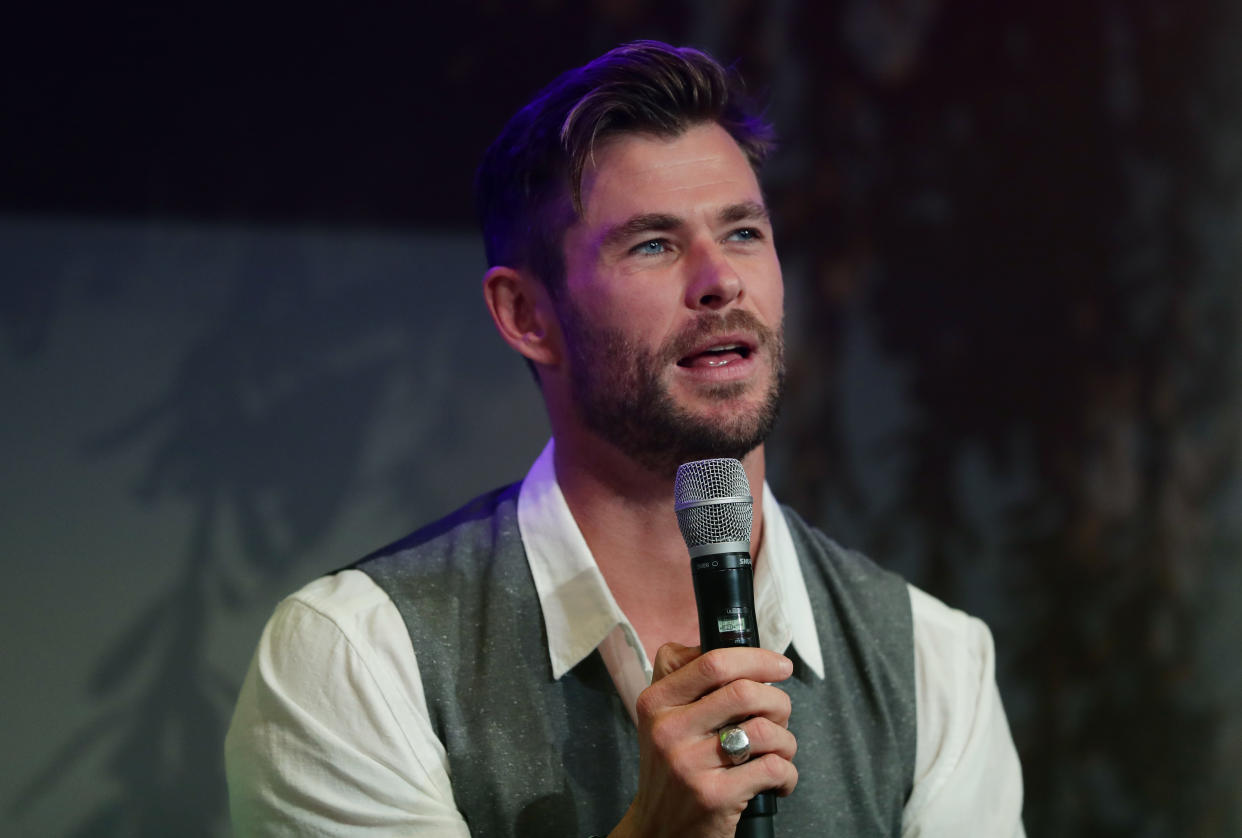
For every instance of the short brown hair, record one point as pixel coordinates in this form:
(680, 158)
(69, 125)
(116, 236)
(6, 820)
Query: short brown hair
(529, 185)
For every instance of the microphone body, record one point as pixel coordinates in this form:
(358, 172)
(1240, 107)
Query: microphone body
(724, 592)
(715, 511)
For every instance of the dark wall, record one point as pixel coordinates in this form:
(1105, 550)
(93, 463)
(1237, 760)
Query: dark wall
(243, 344)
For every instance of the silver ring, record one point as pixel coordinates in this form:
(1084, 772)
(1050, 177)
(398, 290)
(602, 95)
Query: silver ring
(735, 743)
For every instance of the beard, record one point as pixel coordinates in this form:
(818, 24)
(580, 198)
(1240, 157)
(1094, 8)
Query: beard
(621, 395)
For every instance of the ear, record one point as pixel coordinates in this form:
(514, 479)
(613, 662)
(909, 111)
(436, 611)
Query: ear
(523, 314)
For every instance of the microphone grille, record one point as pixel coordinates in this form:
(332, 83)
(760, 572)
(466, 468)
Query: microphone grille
(713, 502)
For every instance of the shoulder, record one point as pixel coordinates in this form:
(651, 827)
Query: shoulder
(851, 586)
(347, 604)
(334, 634)
(331, 727)
(441, 580)
(966, 768)
(944, 632)
(849, 565)
(953, 654)
(473, 529)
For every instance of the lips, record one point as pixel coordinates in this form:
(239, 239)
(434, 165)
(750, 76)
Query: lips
(718, 352)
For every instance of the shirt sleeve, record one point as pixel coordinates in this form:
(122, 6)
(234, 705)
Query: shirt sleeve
(331, 735)
(967, 778)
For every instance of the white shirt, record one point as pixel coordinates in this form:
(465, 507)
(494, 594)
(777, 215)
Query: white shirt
(331, 734)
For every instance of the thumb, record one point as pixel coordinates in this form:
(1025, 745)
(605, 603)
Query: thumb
(671, 657)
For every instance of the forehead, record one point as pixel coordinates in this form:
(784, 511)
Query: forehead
(694, 171)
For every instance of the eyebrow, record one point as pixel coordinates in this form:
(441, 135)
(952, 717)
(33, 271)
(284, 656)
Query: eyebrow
(745, 211)
(658, 222)
(648, 222)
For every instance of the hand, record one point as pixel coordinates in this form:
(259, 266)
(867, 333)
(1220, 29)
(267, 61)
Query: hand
(686, 784)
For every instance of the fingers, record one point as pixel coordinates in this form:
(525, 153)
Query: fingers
(766, 737)
(766, 773)
(687, 784)
(689, 678)
(770, 767)
(740, 700)
(691, 703)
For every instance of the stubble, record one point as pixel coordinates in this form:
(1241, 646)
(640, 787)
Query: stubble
(618, 388)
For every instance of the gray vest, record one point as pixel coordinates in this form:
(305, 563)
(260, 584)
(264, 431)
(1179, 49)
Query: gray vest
(532, 756)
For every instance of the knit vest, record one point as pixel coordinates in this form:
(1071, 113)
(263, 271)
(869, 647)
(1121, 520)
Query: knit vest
(530, 755)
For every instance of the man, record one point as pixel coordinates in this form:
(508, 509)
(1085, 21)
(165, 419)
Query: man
(528, 665)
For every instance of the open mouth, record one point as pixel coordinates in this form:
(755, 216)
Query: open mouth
(717, 356)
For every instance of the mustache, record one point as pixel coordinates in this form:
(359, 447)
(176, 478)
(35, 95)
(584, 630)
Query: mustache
(708, 326)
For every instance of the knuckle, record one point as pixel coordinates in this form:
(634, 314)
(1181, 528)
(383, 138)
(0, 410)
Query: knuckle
(713, 666)
(764, 734)
(793, 776)
(666, 656)
(741, 692)
(647, 704)
(774, 769)
(663, 735)
(774, 739)
(784, 704)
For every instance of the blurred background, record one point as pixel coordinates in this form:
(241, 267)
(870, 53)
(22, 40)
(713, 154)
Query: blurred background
(242, 343)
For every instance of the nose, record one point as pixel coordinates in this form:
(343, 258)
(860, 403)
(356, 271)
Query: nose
(714, 282)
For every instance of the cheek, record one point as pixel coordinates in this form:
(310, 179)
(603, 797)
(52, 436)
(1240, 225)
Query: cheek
(770, 292)
(638, 304)
(626, 309)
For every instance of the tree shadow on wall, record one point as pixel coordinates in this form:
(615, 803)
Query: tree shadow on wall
(261, 430)
(260, 434)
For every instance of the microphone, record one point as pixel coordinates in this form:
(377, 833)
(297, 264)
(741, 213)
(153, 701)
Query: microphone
(715, 511)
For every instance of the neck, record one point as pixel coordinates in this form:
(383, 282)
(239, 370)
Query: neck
(625, 513)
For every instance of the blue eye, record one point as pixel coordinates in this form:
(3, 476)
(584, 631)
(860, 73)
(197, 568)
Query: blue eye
(651, 248)
(745, 234)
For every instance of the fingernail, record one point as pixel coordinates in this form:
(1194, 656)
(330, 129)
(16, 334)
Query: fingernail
(786, 665)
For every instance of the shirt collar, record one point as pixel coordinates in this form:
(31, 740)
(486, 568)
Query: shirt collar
(781, 601)
(579, 610)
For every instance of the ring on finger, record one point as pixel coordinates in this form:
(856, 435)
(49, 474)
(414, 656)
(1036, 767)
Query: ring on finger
(735, 743)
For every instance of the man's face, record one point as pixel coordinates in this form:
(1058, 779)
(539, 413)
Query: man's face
(673, 300)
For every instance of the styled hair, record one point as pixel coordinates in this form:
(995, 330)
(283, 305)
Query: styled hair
(529, 185)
